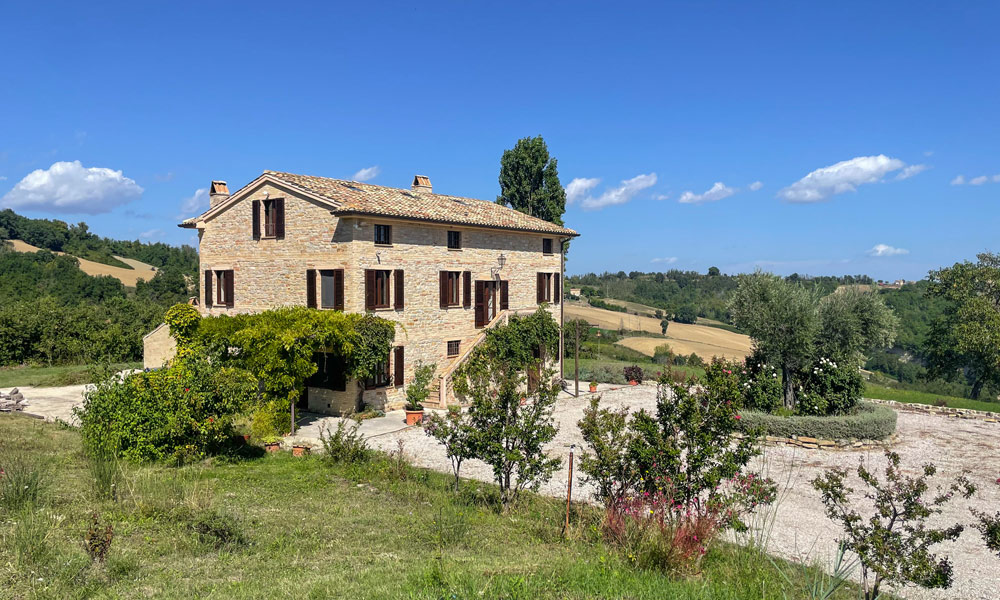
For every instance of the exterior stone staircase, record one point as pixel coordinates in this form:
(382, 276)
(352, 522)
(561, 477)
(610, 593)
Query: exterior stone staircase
(441, 391)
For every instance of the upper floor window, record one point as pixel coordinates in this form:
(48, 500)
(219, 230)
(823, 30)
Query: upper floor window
(274, 218)
(383, 235)
(219, 288)
(453, 347)
(546, 245)
(270, 220)
(377, 288)
(451, 294)
(454, 240)
(548, 288)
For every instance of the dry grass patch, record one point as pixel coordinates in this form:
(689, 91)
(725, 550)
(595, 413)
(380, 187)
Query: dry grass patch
(129, 277)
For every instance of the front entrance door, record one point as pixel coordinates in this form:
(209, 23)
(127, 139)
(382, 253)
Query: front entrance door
(487, 301)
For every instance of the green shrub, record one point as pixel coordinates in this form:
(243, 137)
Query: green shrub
(182, 412)
(829, 388)
(760, 384)
(345, 443)
(270, 420)
(868, 422)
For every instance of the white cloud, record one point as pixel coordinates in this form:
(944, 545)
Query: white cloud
(661, 197)
(195, 204)
(839, 178)
(979, 180)
(3, 178)
(669, 260)
(621, 194)
(366, 173)
(714, 193)
(928, 153)
(886, 250)
(755, 186)
(579, 187)
(910, 171)
(69, 187)
(151, 234)
(959, 180)
(996, 179)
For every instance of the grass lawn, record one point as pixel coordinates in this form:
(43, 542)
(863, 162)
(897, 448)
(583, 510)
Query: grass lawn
(649, 368)
(887, 393)
(275, 526)
(51, 376)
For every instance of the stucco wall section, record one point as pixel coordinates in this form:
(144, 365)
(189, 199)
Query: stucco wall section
(269, 273)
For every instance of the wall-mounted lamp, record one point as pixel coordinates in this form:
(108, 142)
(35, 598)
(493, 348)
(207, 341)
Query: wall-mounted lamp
(501, 261)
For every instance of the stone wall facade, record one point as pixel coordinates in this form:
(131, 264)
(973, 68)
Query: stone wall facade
(158, 346)
(269, 273)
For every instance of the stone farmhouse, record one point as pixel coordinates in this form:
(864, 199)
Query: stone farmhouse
(444, 268)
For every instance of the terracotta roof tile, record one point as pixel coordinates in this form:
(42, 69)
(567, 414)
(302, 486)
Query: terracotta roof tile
(352, 197)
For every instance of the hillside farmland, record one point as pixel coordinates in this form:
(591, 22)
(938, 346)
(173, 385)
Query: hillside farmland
(139, 270)
(702, 340)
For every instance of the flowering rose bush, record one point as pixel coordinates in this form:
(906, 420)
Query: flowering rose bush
(760, 384)
(829, 388)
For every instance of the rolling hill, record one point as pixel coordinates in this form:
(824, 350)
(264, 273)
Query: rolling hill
(703, 340)
(129, 277)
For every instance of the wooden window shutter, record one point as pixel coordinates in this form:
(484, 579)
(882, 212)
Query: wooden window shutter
(398, 290)
(229, 288)
(397, 367)
(369, 289)
(338, 289)
(311, 288)
(556, 292)
(279, 218)
(467, 289)
(256, 219)
(208, 288)
(540, 289)
(504, 298)
(480, 304)
(443, 288)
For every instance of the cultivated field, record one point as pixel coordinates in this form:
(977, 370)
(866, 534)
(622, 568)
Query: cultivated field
(139, 270)
(702, 340)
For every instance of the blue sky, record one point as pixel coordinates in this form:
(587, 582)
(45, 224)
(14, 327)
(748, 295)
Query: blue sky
(700, 122)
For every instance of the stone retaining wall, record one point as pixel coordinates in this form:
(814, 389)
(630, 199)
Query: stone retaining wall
(943, 411)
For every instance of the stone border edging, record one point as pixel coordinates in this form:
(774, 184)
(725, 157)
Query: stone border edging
(941, 411)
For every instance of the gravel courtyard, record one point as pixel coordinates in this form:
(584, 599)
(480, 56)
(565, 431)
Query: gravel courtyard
(802, 530)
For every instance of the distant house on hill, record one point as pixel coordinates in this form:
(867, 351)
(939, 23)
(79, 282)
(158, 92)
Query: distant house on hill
(443, 267)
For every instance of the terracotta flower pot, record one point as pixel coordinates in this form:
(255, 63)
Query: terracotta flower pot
(633, 382)
(299, 450)
(272, 446)
(593, 389)
(414, 417)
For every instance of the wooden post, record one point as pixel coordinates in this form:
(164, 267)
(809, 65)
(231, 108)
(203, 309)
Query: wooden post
(576, 360)
(569, 490)
(292, 430)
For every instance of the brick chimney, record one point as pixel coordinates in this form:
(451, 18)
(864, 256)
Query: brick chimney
(421, 183)
(218, 193)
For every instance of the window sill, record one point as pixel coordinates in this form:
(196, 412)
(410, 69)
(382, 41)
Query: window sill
(377, 245)
(455, 249)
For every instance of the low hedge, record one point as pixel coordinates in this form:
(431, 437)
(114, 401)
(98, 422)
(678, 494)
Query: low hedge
(870, 422)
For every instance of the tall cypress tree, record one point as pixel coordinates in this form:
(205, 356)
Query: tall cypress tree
(529, 181)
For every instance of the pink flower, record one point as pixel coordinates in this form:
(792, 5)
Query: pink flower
(738, 417)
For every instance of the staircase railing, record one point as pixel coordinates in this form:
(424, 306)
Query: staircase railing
(445, 378)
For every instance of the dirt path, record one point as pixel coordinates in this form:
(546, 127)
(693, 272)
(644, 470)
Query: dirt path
(801, 530)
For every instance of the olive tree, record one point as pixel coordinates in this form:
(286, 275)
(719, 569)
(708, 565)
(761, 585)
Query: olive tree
(781, 318)
(853, 322)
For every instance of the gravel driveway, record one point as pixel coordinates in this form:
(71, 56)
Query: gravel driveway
(801, 530)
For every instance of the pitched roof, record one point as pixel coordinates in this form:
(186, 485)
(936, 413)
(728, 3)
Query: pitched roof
(352, 197)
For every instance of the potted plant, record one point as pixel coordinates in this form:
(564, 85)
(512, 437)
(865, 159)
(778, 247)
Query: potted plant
(593, 387)
(417, 393)
(301, 449)
(272, 443)
(633, 374)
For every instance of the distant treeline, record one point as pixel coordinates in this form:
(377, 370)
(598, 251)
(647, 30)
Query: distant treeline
(51, 312)
(675, 291)
(55, 235)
